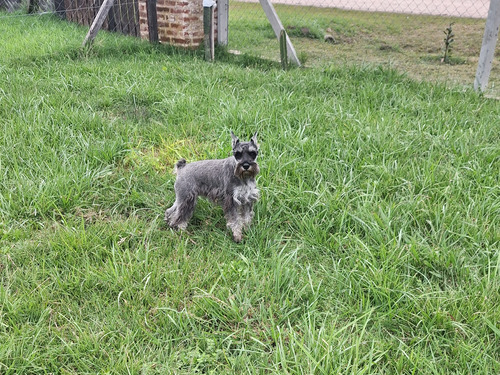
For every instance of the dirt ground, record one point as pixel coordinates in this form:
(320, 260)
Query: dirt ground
(403, 34)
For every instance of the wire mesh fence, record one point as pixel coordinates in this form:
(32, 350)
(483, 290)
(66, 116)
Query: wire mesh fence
(407, 35)
(456, 8)
(123, 16)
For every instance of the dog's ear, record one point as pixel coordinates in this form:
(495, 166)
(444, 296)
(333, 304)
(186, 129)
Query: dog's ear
(235, 139)
(254, 140)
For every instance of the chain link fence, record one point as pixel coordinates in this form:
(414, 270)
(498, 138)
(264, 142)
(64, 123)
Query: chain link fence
(455, 8)
(407, 35)
(123, 16)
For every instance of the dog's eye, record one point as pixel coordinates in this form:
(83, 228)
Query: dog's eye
(252, 154)
(237, 155)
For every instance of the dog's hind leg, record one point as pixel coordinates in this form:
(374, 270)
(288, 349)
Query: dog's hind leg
(170, 212)
(181, 211)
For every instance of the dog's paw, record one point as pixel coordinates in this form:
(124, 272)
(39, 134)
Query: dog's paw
(237, 238)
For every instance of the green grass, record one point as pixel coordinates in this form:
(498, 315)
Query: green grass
(375, 245)
(411, 44)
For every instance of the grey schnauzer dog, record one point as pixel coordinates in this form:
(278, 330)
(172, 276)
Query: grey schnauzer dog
(229, 182)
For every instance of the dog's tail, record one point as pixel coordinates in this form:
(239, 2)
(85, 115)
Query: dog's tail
(180, 164)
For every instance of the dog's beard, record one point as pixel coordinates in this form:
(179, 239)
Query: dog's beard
(244, 174)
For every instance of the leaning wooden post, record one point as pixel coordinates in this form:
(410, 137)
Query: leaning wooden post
(208, 28)
(488, 48)
(98, 21)
(273, 18)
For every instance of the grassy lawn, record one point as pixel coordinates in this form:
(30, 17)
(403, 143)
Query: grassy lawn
(375, 245)
(411, 44)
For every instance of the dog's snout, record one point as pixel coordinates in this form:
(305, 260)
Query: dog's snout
(246, 165)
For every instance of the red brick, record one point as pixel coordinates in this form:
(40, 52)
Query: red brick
(180, 22)
(190, 18)
(178, 11)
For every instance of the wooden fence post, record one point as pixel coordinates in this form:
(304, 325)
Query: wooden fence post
(152, 21)
(208, 28)
(60, 9)
(111, 20)
(98, 21)
(273, 18)
(488, 48)
(32, 6)
(222, 22)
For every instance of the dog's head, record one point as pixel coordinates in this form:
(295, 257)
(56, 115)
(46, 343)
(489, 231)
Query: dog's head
(245, 154)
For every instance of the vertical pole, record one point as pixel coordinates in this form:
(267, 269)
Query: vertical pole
(212, 33)
(112, 20)
(222, 22)
(152, 21)
(32, 6)
(488, 48)
(60, 9)
(208, 29)
(283, 50)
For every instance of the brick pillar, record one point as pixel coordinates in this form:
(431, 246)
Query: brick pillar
(180, 22)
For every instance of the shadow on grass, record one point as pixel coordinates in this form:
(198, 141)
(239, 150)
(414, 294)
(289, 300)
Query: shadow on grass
(244, 60)
(142, 47)
(109, 46)
(102, 50)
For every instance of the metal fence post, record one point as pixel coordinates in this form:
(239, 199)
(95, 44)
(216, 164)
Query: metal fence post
(152, 21)
(488, 48)
(208, 28)
(222, 22)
